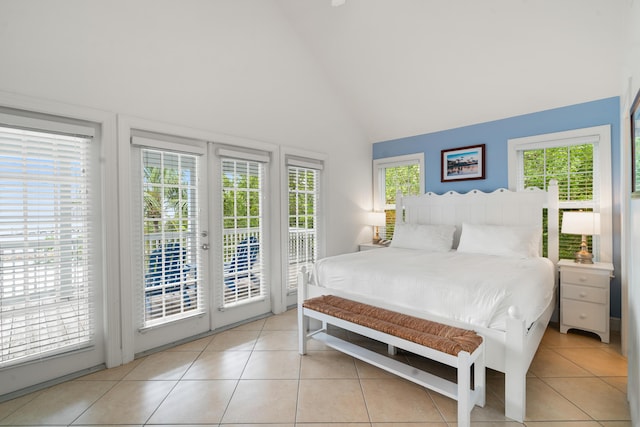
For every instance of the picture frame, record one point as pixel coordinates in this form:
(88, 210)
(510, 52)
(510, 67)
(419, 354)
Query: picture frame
(634, 119)
(463, 163)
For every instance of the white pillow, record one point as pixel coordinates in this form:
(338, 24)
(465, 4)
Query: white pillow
(509, 241)
(435, 238)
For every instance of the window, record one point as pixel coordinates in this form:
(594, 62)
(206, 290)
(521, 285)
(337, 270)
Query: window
(304, 194)
(404, 174)
(576, 160)
(47, 249)
(243, 183)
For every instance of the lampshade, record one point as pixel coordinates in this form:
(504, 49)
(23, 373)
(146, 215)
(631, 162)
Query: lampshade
(378, 219)
(585, 223)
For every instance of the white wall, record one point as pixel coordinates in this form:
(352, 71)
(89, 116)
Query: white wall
(631, 85)
(227, 66)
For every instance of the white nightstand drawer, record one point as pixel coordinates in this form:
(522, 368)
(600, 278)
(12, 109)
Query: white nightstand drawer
(586, 278)
(584, 293)
(584, 315)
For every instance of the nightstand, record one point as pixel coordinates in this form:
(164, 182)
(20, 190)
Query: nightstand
(584, 297)
(369, 246)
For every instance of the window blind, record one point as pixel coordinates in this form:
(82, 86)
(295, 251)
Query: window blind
(397, 177)
(243, 244)
(304, 193)
(46, 246)
(575, 167)
(169, 242)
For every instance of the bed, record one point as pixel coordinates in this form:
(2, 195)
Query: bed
(480, 254)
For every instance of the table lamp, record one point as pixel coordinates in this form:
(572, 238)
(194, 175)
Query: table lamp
(376, 219)
(582, 223)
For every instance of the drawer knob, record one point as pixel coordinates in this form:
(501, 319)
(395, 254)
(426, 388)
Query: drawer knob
(583, 279)
(583, 316)
(583, 294)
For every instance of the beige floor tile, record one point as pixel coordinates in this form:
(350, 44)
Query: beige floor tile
(112, 374)
(60, 404)
(218, 365)
(195, 345)
(549, 363)
(600, 400)
(277, 340)
(327, 364)
(239, 340)
(399, 401)
(616, 423)
(618, 382)
(276, 365)
(255, 325)
(562, 424)
(597, 361)
(287, 321)
(127, 402)
(544, 403)
(331, 401)
(366, 370)
(13, 405)
(435, 424)
(166, 365)
(574, 338)
(124, 425)
(195, 402)
(262, 401)
(493, 410)
(338, 425)
(253, 425)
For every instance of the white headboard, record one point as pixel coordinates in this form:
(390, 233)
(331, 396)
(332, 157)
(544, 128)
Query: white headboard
(501, 207)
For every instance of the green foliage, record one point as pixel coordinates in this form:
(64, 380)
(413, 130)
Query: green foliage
(165, 202)
(405, 179)
(572, 166)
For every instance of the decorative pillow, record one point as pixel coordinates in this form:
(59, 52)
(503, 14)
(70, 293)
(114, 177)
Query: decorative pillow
(509, 241)
(435, 238)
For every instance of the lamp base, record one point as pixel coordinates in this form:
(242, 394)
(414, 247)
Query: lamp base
(583, 257)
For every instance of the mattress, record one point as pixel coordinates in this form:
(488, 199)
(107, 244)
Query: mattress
(475, 289)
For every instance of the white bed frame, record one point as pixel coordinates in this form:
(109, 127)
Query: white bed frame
(509, 351)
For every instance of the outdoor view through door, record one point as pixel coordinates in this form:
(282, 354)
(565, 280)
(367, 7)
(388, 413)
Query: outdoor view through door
(303, 221)
(242, 231)
(172, 287)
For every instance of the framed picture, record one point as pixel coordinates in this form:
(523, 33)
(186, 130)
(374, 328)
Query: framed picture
(463, 163)
(634, 117)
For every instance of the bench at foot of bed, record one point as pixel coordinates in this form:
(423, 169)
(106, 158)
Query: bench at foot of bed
(459, 348)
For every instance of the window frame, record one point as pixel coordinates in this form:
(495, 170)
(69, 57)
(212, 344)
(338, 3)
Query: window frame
(599, 136)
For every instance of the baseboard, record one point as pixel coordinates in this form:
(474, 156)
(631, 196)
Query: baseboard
(614, 324)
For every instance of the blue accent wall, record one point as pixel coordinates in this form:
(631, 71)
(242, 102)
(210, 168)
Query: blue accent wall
(495, 135)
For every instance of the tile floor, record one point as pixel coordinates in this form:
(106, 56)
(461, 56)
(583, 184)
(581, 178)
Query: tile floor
(253, 375)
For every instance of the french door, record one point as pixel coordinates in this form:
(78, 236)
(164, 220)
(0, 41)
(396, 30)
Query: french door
(199, 239)
(170, 242)
(241, 259)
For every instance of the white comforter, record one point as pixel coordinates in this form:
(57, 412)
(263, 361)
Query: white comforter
(471, 288)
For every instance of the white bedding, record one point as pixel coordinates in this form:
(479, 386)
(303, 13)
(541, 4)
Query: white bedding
(472, 288)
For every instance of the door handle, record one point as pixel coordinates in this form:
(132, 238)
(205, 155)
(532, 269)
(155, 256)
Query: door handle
(205, 246)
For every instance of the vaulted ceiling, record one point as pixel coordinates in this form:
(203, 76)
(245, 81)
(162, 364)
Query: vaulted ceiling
(407, 67)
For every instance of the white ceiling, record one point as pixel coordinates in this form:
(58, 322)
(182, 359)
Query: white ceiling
(408, 67)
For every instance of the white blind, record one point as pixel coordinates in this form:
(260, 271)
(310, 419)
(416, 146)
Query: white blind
(170, 246)
(304, 193)
(243, 244)
(399, 176)
(576, 168)
(46, 248)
